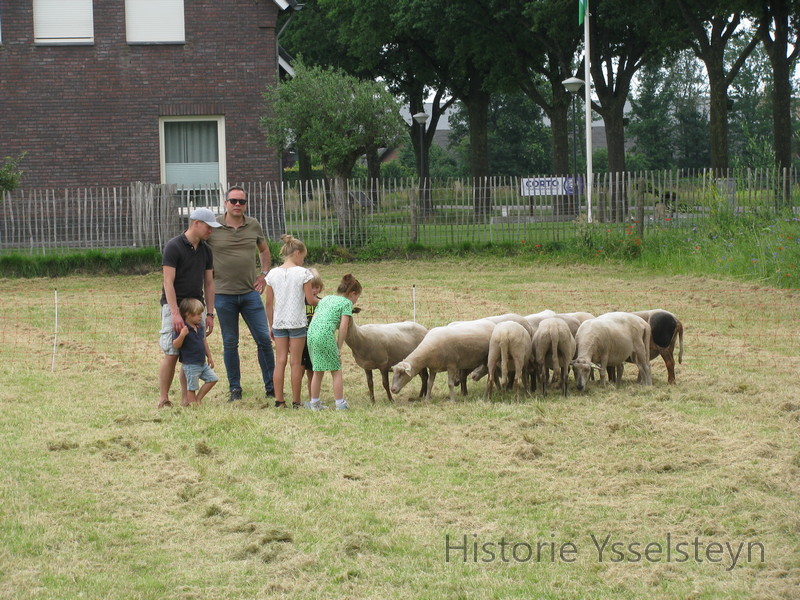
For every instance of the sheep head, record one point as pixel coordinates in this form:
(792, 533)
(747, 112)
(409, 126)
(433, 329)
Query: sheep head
(402, 373)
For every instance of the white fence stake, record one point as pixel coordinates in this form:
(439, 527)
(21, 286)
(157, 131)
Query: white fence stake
(414, 302)
(55, 335)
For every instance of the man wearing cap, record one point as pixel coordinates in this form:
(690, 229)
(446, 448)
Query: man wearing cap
(188, 271)
(242, 260)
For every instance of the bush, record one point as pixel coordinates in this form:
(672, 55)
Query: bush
(95, 262)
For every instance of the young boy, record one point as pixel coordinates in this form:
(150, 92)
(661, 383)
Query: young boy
(192, 352)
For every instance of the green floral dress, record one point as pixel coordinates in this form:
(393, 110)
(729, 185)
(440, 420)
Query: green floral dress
(321, 339)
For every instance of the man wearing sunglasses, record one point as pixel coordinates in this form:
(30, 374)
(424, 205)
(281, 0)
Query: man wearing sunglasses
(241, 262)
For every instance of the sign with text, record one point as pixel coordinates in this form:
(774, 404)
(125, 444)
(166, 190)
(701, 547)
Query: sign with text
(551, 186)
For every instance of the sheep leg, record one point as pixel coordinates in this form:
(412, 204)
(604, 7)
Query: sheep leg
(385, 378)
(453, 377)
(669, 361)
(564, 377)
(370, 385)
(429, 388)
(464, 374)
(423, 375)
(490, 380)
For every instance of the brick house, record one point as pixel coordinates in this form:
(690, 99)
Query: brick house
(109, 92)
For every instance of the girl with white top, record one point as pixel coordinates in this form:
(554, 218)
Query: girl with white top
(288, 289)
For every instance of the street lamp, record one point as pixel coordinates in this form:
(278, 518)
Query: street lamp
(421, 118)
(573, 85)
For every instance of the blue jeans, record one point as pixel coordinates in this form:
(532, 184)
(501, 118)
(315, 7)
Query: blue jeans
(250, 307)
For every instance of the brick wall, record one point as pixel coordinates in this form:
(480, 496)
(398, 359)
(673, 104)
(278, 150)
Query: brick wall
(88, 115)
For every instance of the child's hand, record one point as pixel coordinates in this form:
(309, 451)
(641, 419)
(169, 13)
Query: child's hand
(184, 331)
(210, 362)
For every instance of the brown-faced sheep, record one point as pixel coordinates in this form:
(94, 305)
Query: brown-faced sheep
(666, 330)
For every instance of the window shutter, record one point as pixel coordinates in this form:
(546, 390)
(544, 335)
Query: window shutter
(154, 21)
(63, 21)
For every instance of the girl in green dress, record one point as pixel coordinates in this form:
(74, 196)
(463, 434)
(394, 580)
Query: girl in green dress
(333, 312)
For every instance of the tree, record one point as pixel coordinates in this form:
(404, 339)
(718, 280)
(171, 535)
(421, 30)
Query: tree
(518, 143)
(336, 118)
(713, 25)
(750, 137)
(779, 30)
(652, 117)
(10, 173)
(623, 39)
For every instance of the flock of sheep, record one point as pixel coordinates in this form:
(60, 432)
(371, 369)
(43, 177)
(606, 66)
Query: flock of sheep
(527, 346)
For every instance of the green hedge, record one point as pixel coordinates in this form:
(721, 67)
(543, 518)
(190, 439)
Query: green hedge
(93, 262)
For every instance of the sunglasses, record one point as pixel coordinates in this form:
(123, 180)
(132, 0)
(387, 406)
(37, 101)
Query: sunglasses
(241, 201)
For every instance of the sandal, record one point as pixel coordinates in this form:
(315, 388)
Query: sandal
(281, 404)
(297, 405)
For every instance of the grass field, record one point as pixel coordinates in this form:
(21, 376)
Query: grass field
(104, 496)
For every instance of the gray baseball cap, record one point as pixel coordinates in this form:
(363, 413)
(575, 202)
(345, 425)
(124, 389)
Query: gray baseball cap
(205, 215)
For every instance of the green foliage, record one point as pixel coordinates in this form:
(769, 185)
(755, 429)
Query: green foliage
(10, 173)
(333, 116)
(519, 142)
(121, 262)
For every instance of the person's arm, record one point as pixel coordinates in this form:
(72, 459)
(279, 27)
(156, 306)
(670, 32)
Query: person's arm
(344, 325)
(208, 292)
(265, 258)
(172, 299)
(208, 353)
(269, 307)
(309, 294)
(178, 341)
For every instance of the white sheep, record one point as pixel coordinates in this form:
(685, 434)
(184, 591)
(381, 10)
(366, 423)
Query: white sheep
(553, 347)
(482, 370)
(452, 348)
(510, 342)
(607, 341)
(381, 346)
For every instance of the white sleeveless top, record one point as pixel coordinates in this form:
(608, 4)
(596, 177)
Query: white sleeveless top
(290, 305)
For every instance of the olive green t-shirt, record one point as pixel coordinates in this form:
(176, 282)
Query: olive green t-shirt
(236, 263)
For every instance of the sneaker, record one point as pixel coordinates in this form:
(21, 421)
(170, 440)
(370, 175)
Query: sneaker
(235, 395)
(315, 407)
(342, 405)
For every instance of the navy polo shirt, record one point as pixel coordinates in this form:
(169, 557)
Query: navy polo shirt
(190, 265)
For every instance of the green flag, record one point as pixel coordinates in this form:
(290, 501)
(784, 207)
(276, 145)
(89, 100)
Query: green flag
(582, 4)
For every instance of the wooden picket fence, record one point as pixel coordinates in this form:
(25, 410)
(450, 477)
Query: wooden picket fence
(394, 212)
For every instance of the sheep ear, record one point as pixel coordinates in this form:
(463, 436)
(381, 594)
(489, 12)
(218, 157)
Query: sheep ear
(408, 369)
(596, 366)
(356, 310)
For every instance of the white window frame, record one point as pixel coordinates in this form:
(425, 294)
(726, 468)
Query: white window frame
(219, 120)
(63, 22)
(155, 22)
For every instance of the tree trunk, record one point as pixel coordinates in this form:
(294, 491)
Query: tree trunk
(305, 173)
(614, 122)
(345, 233)
(777, 14)
(560, 131)
(421, 142)
(477, 103)
(718, 119)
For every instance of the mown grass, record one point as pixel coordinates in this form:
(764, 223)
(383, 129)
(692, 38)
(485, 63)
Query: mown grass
(106, 497)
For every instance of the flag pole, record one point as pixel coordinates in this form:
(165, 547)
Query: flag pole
(587, 77)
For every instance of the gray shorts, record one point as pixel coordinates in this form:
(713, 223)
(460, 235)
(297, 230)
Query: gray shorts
(194, 373)
(299, 332)
(165, 341)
